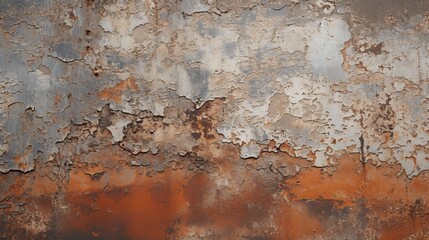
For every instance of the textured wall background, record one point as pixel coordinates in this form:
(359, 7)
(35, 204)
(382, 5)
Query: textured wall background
(210, 119)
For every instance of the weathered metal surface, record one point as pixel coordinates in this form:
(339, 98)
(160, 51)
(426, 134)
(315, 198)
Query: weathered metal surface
(195, 119)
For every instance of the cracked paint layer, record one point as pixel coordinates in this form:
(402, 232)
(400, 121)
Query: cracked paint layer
(214, 119)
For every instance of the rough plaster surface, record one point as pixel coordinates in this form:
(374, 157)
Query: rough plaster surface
(172, 97)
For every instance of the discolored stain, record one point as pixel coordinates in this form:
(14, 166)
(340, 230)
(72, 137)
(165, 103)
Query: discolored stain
(327, 210)
(376, 49)
(379, 11)
(196, 135)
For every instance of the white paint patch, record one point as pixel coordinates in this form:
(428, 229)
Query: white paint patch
(324, 53)
(117, 128)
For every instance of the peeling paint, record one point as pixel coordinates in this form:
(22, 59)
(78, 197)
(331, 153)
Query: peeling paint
(214, 119)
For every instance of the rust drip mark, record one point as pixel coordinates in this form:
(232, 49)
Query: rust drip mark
(115, 93)
(362, 156)
(362, 149)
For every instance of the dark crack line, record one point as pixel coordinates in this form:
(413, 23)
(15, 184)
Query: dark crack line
(362, 148)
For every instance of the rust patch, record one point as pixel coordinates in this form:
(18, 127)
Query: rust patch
(297, 222)
(143, 209)
(287, 149)
(23, 159)
(115, 93)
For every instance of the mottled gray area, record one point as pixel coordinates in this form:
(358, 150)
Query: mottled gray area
(314, 75)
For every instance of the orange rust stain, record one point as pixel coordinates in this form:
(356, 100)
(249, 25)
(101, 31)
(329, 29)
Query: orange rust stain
(36, 183)
(229, 215)
(42, 186)
(96, 171)
(386, 137)
(382, 185)
(404, 228)
(84, 181)
(311, 156)
(115, 93)
(81, 182)
(295, 222)
(344, 185)
(350, 181)
(108, 199)
(147, 209)
(287, 149)
(19, 187)
(176, 203)
(418, 187)
(21, 159)
(57, 100)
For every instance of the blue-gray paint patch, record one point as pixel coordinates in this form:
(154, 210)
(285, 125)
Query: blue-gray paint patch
(8, 4)
(116, 61)
(199, 80)
(258, 88)
(248, 16)
(230, 48)
(206, 31)
(371, 89)
(194, 56)
(66, 52)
